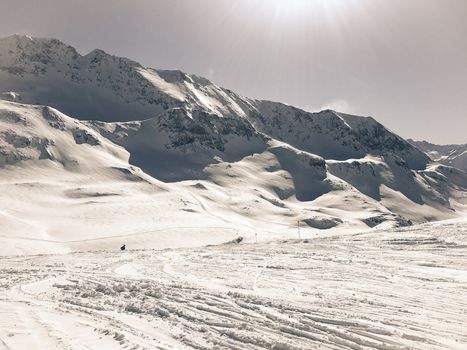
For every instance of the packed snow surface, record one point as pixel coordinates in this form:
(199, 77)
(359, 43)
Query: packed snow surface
(396, 289)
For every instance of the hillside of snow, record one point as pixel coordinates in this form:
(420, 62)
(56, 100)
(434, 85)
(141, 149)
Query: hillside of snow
(64, 187)
(97, 149)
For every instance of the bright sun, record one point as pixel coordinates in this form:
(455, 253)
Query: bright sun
(288, 7)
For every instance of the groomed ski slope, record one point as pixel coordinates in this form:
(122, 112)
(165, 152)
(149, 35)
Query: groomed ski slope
(399, 289)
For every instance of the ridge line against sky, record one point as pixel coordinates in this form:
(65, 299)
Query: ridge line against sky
(402, 62)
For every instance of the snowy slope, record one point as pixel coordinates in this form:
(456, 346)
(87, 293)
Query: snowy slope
(178, 144)
(63, 186)
(163, 158)
(66, 187)
(34, 133)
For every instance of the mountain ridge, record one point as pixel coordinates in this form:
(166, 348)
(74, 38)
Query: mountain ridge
(454, 155)
(175, 89)
(225, 159)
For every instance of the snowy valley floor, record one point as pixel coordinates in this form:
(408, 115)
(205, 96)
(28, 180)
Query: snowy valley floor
(400, 289)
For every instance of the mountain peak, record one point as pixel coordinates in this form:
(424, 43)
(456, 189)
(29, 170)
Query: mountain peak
(16, 38)
(22, 42)
(119, 89)
(98, 55)
(22, 54)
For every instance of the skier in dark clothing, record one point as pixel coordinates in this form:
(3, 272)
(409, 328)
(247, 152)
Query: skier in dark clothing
(123, 247)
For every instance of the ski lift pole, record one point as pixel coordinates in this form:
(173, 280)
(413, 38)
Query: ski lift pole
(298, 228)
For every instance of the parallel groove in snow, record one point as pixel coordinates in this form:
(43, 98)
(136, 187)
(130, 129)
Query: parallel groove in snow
(402, 289)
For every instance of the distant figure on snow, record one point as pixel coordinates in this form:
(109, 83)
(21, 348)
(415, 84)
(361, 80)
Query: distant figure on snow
(123, 247)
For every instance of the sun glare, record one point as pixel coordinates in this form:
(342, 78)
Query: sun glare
(296, 8)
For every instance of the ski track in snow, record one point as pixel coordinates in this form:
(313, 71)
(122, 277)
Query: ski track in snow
(400, 289)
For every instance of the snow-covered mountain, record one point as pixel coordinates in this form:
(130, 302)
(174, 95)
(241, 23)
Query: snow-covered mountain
(102, 87)
(168, 147)
(453, 155)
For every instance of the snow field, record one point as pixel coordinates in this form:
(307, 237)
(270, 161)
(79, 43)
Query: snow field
(396, 289)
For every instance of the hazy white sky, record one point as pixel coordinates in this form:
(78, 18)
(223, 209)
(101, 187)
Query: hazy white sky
(404, 62)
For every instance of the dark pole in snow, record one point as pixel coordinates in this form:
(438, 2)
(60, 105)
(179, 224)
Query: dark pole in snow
(298, 228)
